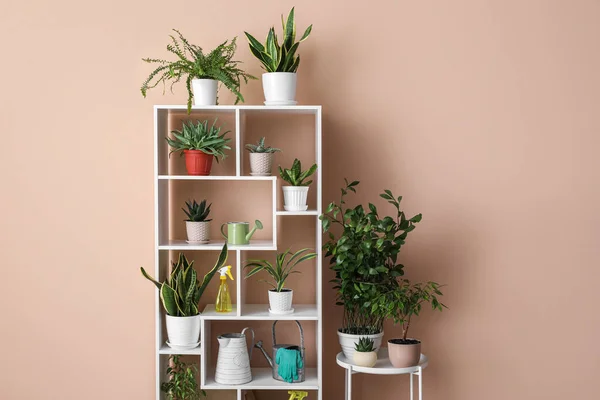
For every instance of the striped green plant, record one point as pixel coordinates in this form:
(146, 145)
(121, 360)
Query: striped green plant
(275, 57)
(284, 266)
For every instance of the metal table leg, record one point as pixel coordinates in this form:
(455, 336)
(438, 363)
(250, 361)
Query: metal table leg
(410, 376)
(420, 383)
(349, 384)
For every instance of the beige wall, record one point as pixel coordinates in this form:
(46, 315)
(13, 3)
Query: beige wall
(483, 114)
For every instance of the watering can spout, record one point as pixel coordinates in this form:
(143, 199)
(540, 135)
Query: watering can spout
(257, 225)
(259, 345)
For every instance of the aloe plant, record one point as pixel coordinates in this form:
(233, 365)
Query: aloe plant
(364, 345)
(295, 176)
(260, 147)
(200, 136)
(181, 292)
(275, 57)
(197, 212)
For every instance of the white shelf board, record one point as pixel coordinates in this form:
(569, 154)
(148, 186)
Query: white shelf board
(182, 245)
(307, 212)
(262, 379)
(210, 313)
(260, 312)
(215, 178)
(301, 109)
(164, 349)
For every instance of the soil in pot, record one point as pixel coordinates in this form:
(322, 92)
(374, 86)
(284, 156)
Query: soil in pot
(197, 162)
(404, 341)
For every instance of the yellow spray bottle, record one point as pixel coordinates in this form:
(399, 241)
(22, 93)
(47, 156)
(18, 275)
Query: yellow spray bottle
(223, 303)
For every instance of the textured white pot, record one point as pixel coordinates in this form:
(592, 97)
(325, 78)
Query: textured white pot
(183, 331)
(280, 301)
(294, 198)
(347, 342)
(261, 163)
(205, 92)
(365, 359)
(198, 231)
(279, 87)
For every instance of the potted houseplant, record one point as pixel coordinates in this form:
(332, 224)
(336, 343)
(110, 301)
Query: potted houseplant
(401, 304)
(180, 294)
(295, 195)
(197, 225)
(182, 383)
(261, 158)
(365, 354)
(200, 144)
(201, 72)
(279, 61)
(280, 298)
(364, 258)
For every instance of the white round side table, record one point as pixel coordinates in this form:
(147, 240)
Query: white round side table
(382, 367)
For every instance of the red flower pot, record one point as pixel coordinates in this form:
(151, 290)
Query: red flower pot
(197, 162)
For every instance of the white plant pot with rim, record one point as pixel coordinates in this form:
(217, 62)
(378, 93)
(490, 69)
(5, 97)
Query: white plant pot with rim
(198, 231)
(281, 302)
(365, 359)
(261, 164)
(279, 88)
(183, 332)
(294, 198)
(348, 342)
(205, 92)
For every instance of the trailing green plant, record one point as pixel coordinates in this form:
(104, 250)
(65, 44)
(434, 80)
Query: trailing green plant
(192, 63)
(197, 212)
(364, 345)
(295, 176)
(284, 266)
(364, 258)
(275, 57)
(404, 302)
(181, 292)
(260, 147)
(182, 383)
(201, 137)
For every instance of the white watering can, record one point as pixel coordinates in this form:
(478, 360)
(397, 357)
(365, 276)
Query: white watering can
(233, 361)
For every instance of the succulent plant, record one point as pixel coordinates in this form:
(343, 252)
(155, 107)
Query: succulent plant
(364, 345)
(295, 176)
(201, 137)
(261, 148)
(197, 212)
(181, 292)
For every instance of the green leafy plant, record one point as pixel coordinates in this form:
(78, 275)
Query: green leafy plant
(200, 136)
(182, 383)
(295, 176)
(404, 301)
(364, 345)
(181, 292)
(284, 266)
(275, 57)
(192, 63)
(197, 212)
(260, 147)
(364, 258)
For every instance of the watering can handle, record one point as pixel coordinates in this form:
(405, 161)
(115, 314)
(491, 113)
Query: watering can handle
(223, 233)
(299, 328)
(252, 346)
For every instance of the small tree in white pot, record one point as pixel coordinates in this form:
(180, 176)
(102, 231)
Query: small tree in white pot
(295, 195)
(197, 225)
(280, 298)
(261, 158)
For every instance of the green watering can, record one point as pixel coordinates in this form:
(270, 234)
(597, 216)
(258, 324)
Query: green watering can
(239, 232)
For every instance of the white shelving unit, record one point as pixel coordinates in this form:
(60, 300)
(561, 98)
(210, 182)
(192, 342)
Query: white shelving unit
(169, 179)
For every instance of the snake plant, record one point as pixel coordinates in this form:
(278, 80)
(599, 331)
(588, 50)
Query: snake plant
(200, 136)
(197, 212)
(295, 176)
(181, 292)
(275, 57)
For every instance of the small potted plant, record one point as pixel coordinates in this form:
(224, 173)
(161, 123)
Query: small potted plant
(401, 304)
(180, 294)
(201, 72)
(295, 195)
(280, 298)
(364, 259)
(261, 158)
(364, 354)
(279, 62)
(182, 383)
(200, 144)
(197, 225)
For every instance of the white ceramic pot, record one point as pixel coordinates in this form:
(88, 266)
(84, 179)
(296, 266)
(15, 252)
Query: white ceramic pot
(348, 342)
(279, 88)
(205, 92)
(294, 198)
(183, 332)
(281, 302)
(261, 164)
(198, 231)
(365, 359)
